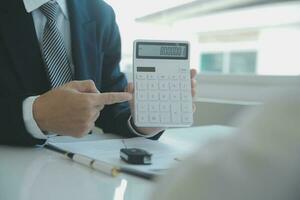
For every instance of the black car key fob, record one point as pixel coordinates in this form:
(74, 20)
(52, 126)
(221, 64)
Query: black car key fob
(135, 156)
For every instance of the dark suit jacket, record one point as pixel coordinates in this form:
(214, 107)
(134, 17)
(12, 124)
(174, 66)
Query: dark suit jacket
(96, 50)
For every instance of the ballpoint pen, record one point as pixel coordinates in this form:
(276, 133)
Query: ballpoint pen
(100, 165)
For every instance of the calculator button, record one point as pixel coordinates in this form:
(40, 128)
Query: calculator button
(152, 76)
(184, 69)
(174, 76)
(140, 76)
(175, 96)
(187, 118)
(153, 85)
(184, 76)
(164, 107)
(154, 107)
(141, 85)
(184, 85)
(175, 108)
(163, 76)
(176, 118)
(154, 118)
(165, 118)
(142, 107)
(153, 95)
(175, 111)
(164, 96)
(143, 117)
(174, 85)
(142, 95)
(186, 107)
(164, 85)
(186, 96)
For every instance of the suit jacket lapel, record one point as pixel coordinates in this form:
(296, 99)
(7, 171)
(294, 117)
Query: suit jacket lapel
(84, 42)
(19, 36)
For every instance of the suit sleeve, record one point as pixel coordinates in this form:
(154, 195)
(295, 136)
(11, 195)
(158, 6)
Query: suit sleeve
(13, 130)
(114, 118)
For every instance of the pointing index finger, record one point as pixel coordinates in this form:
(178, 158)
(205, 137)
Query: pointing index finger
(110, 98)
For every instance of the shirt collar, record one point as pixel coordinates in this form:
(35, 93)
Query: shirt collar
(31, 5)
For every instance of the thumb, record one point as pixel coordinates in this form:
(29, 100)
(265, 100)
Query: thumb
(193, 73)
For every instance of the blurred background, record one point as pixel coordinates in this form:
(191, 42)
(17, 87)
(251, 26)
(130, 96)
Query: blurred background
(260, 37)
(242, 49)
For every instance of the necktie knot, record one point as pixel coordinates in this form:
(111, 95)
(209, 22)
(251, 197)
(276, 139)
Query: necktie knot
(50, 10)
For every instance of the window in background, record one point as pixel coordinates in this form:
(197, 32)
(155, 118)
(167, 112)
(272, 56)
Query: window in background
(212, 63)
(259, 37)
(242, 63)
(228, 63)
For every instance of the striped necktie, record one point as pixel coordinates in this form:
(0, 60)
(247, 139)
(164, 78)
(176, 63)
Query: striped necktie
(53, 48)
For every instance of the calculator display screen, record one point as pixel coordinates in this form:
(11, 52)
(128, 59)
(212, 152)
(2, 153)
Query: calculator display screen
(152, 50)
(145, 69)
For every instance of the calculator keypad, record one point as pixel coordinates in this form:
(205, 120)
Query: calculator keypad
(163, 99)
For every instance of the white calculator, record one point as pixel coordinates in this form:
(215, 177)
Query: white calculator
(162, 96)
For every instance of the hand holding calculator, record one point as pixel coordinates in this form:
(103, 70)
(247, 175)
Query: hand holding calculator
(162, 84)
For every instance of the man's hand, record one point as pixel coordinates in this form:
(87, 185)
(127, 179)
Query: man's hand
(73, 108)
(148, 130)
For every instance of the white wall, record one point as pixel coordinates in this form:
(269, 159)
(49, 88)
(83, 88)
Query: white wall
(279, 51)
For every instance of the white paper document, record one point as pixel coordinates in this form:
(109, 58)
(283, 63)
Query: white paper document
(163, 155)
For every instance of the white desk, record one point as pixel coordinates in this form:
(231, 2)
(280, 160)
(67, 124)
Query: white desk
(36, 173)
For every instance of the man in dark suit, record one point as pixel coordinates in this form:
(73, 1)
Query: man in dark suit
(45, 46)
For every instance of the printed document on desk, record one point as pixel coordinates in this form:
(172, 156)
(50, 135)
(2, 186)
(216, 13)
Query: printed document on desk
(163, 155)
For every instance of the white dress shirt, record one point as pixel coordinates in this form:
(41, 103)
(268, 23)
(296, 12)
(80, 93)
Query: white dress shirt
(63, 23)
(39, 20)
